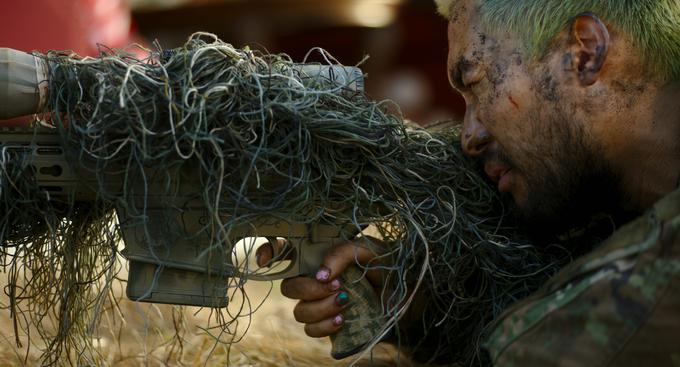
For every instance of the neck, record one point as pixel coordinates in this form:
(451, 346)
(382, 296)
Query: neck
(651, 167)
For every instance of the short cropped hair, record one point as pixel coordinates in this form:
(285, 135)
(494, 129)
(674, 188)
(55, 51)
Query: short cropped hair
(652, 25)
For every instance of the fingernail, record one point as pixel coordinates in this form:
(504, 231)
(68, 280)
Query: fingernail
(342, 298)
(323, 274)
(335, 285)
(338, 320)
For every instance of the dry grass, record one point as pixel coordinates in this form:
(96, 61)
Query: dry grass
(140, 334)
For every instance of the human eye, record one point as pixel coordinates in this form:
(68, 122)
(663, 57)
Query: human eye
(467, 77)
(472, 77)
(456, 80)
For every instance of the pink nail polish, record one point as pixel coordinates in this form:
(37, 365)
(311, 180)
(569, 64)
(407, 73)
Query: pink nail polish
(338, 320)
(323, 274)
(335, 285)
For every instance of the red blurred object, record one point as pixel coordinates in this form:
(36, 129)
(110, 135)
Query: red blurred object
(77, 25)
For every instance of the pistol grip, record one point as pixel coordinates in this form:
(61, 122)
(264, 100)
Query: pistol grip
(363, 316)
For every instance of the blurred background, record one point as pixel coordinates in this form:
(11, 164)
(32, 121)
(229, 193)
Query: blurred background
(406, 42)
(405, 39)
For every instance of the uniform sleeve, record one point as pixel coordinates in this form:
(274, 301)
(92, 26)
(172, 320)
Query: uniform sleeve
(618, 307)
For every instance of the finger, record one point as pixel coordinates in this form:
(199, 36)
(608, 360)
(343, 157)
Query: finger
(339, 257)
(273, 251)
(264, 254)
(325, 328)
(308, 289)
(316, 311)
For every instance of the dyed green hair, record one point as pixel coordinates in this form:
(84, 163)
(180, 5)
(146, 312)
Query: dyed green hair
(653, 25)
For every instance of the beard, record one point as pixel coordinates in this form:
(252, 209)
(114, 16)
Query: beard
(568, 182)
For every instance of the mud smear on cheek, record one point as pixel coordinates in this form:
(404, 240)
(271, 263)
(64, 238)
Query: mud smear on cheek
(547, 87)
(482, 38)
(495, 78)
(517, 56)
(497, 73)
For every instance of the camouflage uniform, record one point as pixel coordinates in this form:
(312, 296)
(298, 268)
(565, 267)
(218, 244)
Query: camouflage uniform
(616, 306)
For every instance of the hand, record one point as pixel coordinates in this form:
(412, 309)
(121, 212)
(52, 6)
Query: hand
(322, 299)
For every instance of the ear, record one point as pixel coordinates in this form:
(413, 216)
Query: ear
(589, 44)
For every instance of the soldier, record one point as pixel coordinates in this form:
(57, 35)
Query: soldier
(572, 109)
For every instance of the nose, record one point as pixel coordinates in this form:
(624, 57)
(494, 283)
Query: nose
(474, 138)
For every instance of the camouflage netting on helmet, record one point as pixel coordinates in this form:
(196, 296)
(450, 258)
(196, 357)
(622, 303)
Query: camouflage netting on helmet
(259, 138)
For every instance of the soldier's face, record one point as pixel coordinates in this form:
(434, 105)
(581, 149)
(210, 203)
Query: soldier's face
(518, 125)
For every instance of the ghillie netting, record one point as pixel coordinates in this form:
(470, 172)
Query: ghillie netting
(253, 136)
